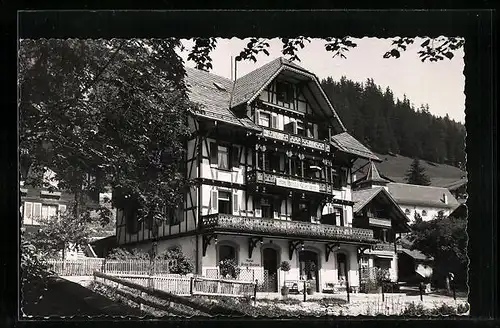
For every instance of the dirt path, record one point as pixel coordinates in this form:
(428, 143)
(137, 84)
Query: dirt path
(64, 298)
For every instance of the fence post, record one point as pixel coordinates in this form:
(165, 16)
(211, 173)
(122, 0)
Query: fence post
(218, 286)
(383, 298)
(421, 289)
(348, 289)
(304, 291)
(255, 291)
(141, 306)
(191, 286)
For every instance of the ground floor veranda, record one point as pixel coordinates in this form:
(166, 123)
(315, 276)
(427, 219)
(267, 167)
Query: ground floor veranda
(326, 266)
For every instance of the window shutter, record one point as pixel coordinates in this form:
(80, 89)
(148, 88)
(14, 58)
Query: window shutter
(215, 201)
(294, 124)
(28, 212)
(235, 155)
(257, 117)
(236, 204)
(213, 153)
(344, 216)
(274, 121)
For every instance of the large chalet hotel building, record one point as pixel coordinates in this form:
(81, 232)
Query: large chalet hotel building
(272, 162)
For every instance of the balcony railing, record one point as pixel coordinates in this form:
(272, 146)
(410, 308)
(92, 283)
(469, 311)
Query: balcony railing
(381, 246)
(295, 139)
(283, 180)
(241, 224)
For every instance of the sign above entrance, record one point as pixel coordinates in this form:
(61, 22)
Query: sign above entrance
(297, 184)
(249, 263)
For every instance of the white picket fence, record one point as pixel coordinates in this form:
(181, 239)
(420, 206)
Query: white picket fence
(86, 267)
(186, 284)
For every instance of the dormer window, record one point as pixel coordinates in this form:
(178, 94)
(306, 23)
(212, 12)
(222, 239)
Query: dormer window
(284, 92)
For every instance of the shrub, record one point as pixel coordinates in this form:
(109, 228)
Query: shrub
(229, 268)
(178, 262)
(414, 310)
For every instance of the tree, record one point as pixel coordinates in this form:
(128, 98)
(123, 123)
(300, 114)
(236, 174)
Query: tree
(444, 239)
(416, 174)
(106, 113)
(61, 234)
(432, 49)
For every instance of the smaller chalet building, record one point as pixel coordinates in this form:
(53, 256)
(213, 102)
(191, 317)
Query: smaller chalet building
(272, 163)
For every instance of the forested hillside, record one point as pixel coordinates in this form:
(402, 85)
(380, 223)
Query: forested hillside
(386, 124)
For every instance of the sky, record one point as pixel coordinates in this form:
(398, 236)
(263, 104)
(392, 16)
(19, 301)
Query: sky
(439, 84)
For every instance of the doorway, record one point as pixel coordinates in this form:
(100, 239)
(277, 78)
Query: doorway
(309, 268)
(270, 265)
(342, 269)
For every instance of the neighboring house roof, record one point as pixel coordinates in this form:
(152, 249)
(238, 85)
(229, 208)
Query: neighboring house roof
(363, 197)
(410, 194)
(459, 211)
(347, 143)
(416, 254)
(455, 184)
(372, 176)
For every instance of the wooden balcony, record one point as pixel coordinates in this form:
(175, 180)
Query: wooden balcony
(287, 181)
(293, 229)
(295, 139)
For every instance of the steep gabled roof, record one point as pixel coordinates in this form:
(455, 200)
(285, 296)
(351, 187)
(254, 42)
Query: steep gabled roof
(421, 195)
(347, 143)
(249, 86)
(372, 176)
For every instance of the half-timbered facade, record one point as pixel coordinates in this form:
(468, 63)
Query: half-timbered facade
(272, 165)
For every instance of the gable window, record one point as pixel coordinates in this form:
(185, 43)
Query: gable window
(264, 119)
(284, 92)
(224, 202)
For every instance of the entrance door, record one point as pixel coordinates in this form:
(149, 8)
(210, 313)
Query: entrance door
(309, 270)
(270, 264)
(342, 268)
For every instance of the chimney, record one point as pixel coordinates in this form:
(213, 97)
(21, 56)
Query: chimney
(232, 68)
(235, 69)
(445, 199)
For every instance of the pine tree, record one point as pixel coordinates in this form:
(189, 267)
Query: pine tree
(416, 174)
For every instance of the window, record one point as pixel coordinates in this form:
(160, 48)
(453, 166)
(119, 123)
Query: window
(289, 127)
(310, 130)
(224, 202)
(338, 216)
(284, 92)
(32, 213)
(300, 128)
(49, 211)
(223, 156)
(424, 213)
(272, 162)
(296, 166)
(264, 119)
(176, 215)
(407, 212)
(132, 224)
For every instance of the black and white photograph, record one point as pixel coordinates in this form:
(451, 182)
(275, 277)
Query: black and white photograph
(248, 177)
